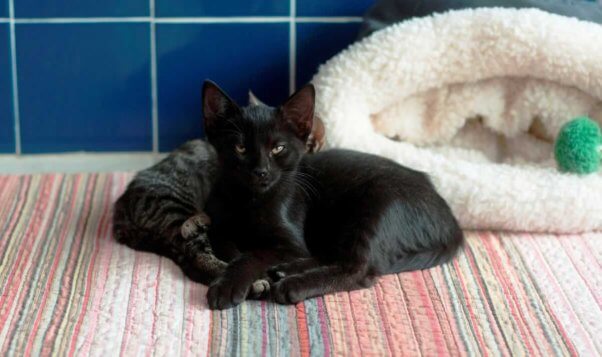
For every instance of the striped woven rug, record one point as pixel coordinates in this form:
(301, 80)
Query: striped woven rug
(67, 288)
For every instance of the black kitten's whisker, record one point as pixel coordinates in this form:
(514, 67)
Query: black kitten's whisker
(307, 178)
(297, 178)
(290, 179)
(307, 184)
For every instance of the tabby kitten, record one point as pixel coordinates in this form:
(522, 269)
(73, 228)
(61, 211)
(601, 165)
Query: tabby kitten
(161, 211)
(319, 223)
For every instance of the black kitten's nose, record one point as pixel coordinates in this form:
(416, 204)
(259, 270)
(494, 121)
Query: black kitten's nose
(261, 173)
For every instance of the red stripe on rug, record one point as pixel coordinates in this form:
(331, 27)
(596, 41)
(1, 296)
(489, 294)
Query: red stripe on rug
(302, 330)
(323, 326)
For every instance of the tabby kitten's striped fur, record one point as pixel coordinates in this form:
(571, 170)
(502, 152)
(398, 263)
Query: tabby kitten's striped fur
(161, 211)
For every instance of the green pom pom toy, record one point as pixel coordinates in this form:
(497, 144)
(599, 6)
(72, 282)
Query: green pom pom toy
(578, 146)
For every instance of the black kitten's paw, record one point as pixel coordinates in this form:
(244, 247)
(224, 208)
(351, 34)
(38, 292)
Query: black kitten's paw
(259, 290)
(288, 290)
(195, 225)
(226, 293)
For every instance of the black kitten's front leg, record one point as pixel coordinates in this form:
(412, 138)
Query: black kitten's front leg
(296, 266)
(241, 276)
(319, 281)
(199, 260)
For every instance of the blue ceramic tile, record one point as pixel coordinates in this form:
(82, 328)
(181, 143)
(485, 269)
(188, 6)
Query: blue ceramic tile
(333, 7)
(3, 8)
(238, 57)
(318, 42)
(188, 8)
(7, 138)
(81, 8)
(84, 87)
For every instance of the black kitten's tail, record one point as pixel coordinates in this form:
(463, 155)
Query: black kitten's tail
(429, 258)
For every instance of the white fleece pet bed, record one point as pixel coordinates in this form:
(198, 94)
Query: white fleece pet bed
(475, 98)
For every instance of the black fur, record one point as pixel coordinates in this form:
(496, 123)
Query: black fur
(316, 223)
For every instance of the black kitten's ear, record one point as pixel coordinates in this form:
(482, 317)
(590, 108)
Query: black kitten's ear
(216, 105)
(298, 111)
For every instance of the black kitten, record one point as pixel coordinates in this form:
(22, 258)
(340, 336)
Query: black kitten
(316, 223)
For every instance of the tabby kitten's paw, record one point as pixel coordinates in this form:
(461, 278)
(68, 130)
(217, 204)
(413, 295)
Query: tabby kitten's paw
(195, 225)
(288, 290)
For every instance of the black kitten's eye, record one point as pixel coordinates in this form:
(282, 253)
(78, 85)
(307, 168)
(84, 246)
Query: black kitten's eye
(277, 149)
(241, 149)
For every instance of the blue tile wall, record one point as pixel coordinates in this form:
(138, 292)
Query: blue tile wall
(188, 8)
(333, 7)
(236, 56)
(86, 77)
(7, 138)
(317, 42)
(3, 8)
(84, 87)
(81, 8)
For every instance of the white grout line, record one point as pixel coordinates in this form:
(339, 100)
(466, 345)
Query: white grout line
(292, 48)
(180, 20)
(220, 20)
(154, 95)
(15, 85)
(335, 19)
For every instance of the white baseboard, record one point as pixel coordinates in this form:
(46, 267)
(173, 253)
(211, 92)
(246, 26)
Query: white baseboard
(77, 162)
